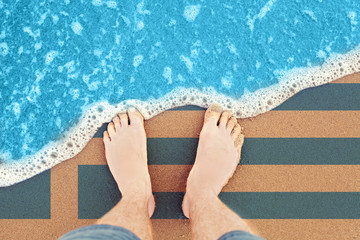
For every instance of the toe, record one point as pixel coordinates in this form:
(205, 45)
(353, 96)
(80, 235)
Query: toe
(231, 124)
(239, 142)
(111, 129)
(225, 116)
(136, 118)
(116, 121)
(236, 132)
(106, 137)
(212, 114)
(124, 119)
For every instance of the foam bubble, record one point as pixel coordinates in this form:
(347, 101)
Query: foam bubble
(352, 16)
(232, 48)
(140, 25)
(137, 60)
(257, 65)
(70, 66)
(16, 110)
(97, 52)
(167, 74)
(111, 4)
(58, 122)
(97, 3)
(50, 56)
(117, 39)
(172, 22)
(191, 12)
(42, 18)
(4, 49)
(140, 10)
(188, 62)
(37, 46)
(20, 50)
(262, 13)
(2, 35)
(227, 80)
(126, 20)
(310, 14)
(55, 19)
(321, 54)
(180, 78)
(76, 27)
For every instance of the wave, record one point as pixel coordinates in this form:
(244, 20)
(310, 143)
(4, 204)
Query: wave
(248, 105)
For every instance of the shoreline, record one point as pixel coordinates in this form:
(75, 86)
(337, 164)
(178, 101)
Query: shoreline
(249, 105)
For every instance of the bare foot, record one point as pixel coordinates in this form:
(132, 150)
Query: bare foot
(217, 156)
(125, 151)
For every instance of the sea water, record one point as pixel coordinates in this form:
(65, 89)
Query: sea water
(67, 66)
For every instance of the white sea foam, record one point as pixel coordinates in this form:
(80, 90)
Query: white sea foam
(249, 105)
(188, 62)
(4, 49)
(97, 2)
(111, 4)
(167, 74)
(2, 34)
(140, 25)
(76, 27)
(227, 80)
(37, 46)
(263, 11)
(55, 19)
(137, 60)
(50, 56)
(191, 12)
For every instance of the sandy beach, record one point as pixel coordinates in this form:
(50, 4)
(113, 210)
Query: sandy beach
(319, 160)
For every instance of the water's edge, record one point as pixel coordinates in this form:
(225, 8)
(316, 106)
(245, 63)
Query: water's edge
(249, 105)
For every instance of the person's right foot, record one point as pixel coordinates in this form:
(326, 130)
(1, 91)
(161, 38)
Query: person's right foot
(217, 156)
(125, 151)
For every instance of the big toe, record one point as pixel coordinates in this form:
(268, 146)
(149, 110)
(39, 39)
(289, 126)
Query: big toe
(225, 116)
(212, 114)
(135, 117)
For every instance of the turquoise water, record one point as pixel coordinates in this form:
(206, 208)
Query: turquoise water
(59, 58)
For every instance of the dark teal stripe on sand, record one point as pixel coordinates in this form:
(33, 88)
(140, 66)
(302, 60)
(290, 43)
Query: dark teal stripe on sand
(301, 151)
(27, 200)
(98, 194)
(97, 191)
(264, 151)
(340, 96)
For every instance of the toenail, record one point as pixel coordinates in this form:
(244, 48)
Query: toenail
(132, 109)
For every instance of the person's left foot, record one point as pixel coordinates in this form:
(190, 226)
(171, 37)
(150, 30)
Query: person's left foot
(125, 151)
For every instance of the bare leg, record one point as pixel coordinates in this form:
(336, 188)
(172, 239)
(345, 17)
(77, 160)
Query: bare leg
(125, 150)
(217, 157)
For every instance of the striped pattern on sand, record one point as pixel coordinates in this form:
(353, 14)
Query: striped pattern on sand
(299, 176)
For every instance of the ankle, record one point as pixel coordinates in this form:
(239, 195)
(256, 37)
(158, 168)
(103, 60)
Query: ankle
(193, 201)
(137, 190)
(200, 196)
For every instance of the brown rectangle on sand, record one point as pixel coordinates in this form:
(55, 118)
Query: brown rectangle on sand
(274, 124)
(170, 229)
(64, 190)
(273, 229)
(267, 178)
